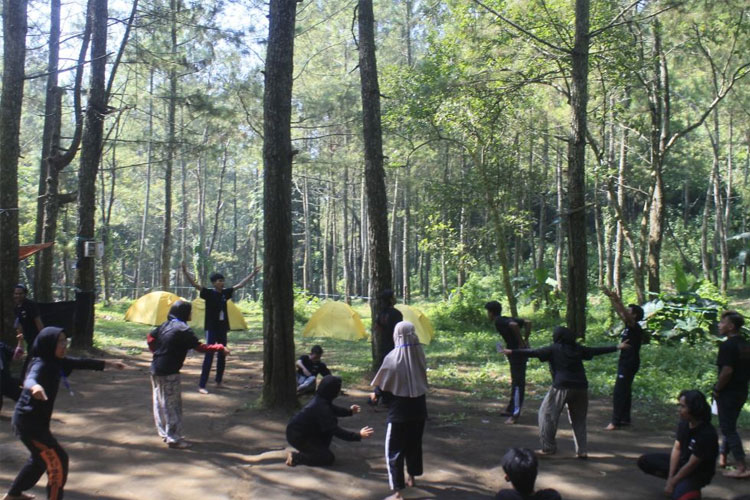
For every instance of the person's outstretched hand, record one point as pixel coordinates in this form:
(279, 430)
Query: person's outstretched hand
(366, 432)
(355, 409)
(624, 345)
(37, 392)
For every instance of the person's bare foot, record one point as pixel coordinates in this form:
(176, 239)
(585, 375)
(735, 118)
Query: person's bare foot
(511, 420)
(290, 459)
(544, 453)
(738, 473)
(410, 482)
(395, 496)
(611, 427)
(22, 496)
(202, 390)
(722, 460)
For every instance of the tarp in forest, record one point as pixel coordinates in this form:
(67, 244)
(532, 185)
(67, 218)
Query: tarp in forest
(152, 308)
(25, 251)
(422, 323)
(336, 320)
(236, 320)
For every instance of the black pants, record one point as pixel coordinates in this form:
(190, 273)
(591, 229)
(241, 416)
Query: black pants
(622, 396)
(517, 385)
(403, 443)
(729, 404)
(311, 451)
(9, 387)
(657, 464)
(46, 455)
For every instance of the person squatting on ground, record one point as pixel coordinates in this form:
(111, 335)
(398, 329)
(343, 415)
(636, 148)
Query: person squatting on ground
(308, 369)
(569, 386)
(10, 387)
(311, 430)
(169, 344)
(386, 321)
(510, 330)
(629, 362)
(692, 462)
(216, 320)
(520, 466)
(28, 321)
(730, 390)
(402, 383)
(31, 419)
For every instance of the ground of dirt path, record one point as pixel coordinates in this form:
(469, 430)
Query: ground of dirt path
(107, 428)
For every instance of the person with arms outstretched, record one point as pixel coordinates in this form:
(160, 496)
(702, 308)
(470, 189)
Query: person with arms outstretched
(216, 320)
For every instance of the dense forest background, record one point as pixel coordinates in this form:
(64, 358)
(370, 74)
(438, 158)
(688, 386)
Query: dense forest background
(476, 100)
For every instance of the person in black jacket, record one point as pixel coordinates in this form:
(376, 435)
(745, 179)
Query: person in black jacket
(312, 429)
(569, 387)
(170, 343)
(692, 463)
(10, 387)
(31, 420)
(629, 362)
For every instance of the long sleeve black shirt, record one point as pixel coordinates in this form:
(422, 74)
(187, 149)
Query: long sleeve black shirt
(566, 362)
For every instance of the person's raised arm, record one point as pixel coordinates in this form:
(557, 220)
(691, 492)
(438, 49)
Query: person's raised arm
(190, 277)
(247, 278)
(619, 307)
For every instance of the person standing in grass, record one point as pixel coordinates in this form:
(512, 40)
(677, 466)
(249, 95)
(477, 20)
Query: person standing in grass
(569, 386)
(216, 320)
(31, 419)
(510, 330)
(629, 362)
(692, 463)
(169, 344)
(730, 390)
(402, 384)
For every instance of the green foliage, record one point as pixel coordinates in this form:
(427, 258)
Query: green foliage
(464, 309)
(304, 305)
(689, 314)
(541, 288)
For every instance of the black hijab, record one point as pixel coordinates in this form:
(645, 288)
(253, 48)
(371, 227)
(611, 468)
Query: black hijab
(329, 388)
(45, 344)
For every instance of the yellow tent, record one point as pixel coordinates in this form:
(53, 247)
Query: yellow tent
(422, 323)
(236, 320)
(336, 320)
(152, 308)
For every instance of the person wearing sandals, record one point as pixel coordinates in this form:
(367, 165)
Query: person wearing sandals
(169, 344)
(402, 384)
(730, 390)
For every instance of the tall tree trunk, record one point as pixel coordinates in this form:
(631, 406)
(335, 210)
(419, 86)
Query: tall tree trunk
(619, 200)
(307, 254)
(577, 266)
(560, 231)
(147, 196)
(14, 58)
(278, 298)
(377, 202)
(90, 156)
(346, 260)
(405, 254)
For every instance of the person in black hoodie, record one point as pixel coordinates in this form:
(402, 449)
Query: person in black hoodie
(170, 343)
(312, 429)
(31, 420)
(569, 386)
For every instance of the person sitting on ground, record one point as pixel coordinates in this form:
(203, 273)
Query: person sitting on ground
(311, 430)
(169, 344)
(629, 362)
(520, 466)
(692, 463)
(308, 369)
(10, 387)
(569, 387)
(730, 390)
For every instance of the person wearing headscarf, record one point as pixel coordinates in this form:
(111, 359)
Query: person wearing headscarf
(31, 420)
(312, 429)
(569, 386)
(170, 343)
(402, 384)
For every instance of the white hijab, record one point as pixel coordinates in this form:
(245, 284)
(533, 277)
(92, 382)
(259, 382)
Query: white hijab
(404, 370)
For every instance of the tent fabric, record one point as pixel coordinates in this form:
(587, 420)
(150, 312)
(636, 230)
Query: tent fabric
(152, 308)
(236, 320)
(26, 251)
(421, 323)
(336, 320)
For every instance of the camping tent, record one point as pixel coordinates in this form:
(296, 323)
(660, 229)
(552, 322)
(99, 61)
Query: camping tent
(336, 320)
(236, 320)
(152, 308)
(422, 324)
